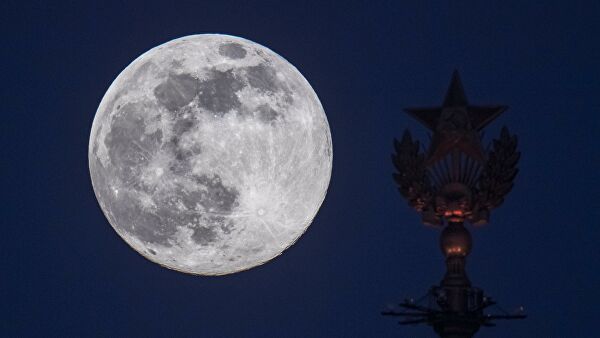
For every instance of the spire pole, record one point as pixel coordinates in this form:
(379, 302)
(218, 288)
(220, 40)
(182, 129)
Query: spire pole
(455, 182)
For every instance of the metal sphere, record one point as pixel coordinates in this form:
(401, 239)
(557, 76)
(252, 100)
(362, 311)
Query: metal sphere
(455, 240)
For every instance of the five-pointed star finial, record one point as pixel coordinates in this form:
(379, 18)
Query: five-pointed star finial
(456, 125)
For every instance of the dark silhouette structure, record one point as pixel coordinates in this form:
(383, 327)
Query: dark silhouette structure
(455, 181)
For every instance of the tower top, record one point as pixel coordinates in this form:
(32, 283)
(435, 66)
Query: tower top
(454, 182)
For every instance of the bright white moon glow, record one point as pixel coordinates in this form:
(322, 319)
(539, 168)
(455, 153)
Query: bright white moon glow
(210, 154)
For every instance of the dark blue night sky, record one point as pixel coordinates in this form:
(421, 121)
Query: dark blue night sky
(66, 273)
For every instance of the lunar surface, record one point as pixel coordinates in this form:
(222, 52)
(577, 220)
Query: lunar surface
(210, 154)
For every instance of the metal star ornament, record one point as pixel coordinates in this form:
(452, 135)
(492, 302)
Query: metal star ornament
(456, 124)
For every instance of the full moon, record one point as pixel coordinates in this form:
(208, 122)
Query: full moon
(210, 154)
